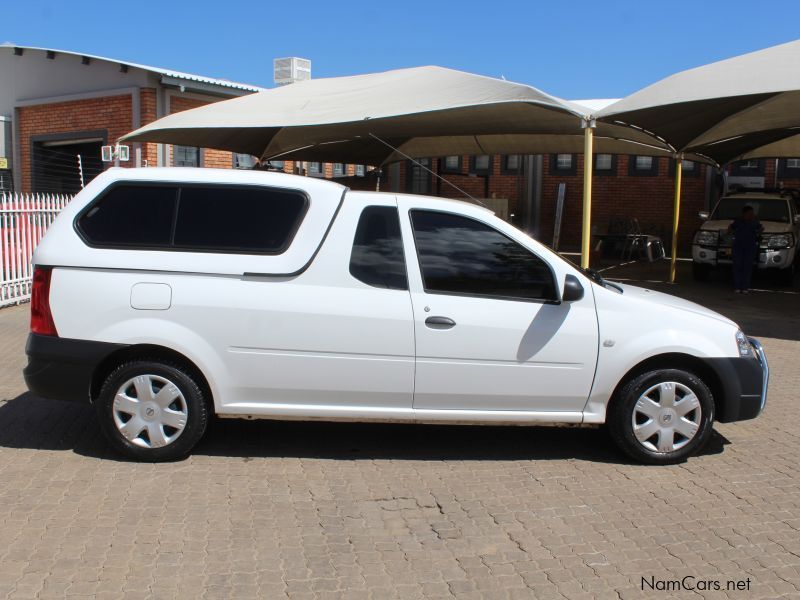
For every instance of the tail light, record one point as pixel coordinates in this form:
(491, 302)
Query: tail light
(41, 317)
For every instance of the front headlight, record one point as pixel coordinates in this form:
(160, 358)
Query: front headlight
(745, 349)
(706, 238)
(779, 240)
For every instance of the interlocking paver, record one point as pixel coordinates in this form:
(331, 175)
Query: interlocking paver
(276, 510)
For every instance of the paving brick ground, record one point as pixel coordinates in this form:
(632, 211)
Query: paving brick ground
(275, 510)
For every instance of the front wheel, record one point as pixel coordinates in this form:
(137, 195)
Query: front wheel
(152, 411)
(662, 417)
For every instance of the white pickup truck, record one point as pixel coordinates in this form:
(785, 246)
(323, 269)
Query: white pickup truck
(167, 296)
(777, 252)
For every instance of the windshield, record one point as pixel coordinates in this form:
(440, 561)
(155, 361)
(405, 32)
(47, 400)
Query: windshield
(767, 209)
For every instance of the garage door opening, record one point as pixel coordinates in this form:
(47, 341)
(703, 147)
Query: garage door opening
(64, 166)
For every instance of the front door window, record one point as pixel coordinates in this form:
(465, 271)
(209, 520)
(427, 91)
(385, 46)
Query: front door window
(461, 256)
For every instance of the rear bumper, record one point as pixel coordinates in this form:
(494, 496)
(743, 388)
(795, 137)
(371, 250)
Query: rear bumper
(62, 368)
(744, 383)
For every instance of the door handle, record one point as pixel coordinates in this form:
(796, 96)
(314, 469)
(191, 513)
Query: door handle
(440, 322)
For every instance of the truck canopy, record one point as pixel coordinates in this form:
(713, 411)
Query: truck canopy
(64, 246)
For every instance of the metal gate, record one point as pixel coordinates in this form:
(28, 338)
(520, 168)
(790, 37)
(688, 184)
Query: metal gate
(24, 218)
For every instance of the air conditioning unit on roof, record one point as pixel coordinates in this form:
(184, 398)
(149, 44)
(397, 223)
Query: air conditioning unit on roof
(291, 69)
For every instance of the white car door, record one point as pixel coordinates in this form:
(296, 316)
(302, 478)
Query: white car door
(490, 334)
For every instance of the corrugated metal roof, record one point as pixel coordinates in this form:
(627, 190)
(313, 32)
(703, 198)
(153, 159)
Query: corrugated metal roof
(165, 72)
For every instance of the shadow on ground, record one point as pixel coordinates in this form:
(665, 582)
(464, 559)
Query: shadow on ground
(35, 423)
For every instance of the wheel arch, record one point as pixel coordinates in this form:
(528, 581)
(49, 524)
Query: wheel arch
(148, 352)
(675, 360)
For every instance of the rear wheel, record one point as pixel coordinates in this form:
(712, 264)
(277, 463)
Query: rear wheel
(662, 417)
(152, 411)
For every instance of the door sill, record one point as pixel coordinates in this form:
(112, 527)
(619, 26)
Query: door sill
(313, 412)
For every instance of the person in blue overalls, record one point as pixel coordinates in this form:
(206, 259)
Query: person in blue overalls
(746, 230)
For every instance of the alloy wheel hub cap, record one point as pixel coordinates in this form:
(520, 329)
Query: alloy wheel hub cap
(150, 411)
(666, 417)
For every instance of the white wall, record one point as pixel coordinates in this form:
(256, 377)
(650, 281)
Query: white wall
(33, 76)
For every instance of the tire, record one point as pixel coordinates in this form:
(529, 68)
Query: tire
(641, 401)
(700, 271)
(164, 427)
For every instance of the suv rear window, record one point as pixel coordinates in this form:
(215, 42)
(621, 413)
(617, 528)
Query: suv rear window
(249, 219)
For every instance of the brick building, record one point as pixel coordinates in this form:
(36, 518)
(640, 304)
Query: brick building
(58, 108)
(624, 188)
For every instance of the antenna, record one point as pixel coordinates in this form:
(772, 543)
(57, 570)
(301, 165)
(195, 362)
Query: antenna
(420, 165)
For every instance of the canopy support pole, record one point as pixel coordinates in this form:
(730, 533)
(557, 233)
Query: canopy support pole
(676, 214)
(588, 162)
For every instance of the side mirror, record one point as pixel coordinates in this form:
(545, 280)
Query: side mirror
(797, 219)
(704, 215)
(573, 290)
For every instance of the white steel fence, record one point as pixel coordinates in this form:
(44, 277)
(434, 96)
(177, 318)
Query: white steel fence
(23, 220)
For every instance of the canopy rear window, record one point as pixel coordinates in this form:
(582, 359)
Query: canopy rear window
(194, 218)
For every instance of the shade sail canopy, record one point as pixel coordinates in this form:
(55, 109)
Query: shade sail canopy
(423, 111)
(724, 110)
(785, 147)
(373, 151)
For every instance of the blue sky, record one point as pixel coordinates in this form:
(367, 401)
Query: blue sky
(571, 49)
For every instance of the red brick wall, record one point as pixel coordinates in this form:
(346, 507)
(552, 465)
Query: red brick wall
(648, 199)
(110, 113)
(499, 185)
(771, 181)
(147, 97)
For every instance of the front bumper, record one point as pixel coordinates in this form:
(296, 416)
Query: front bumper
(768, 258)
(744, 384)
(62, 368)
(762, 360)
